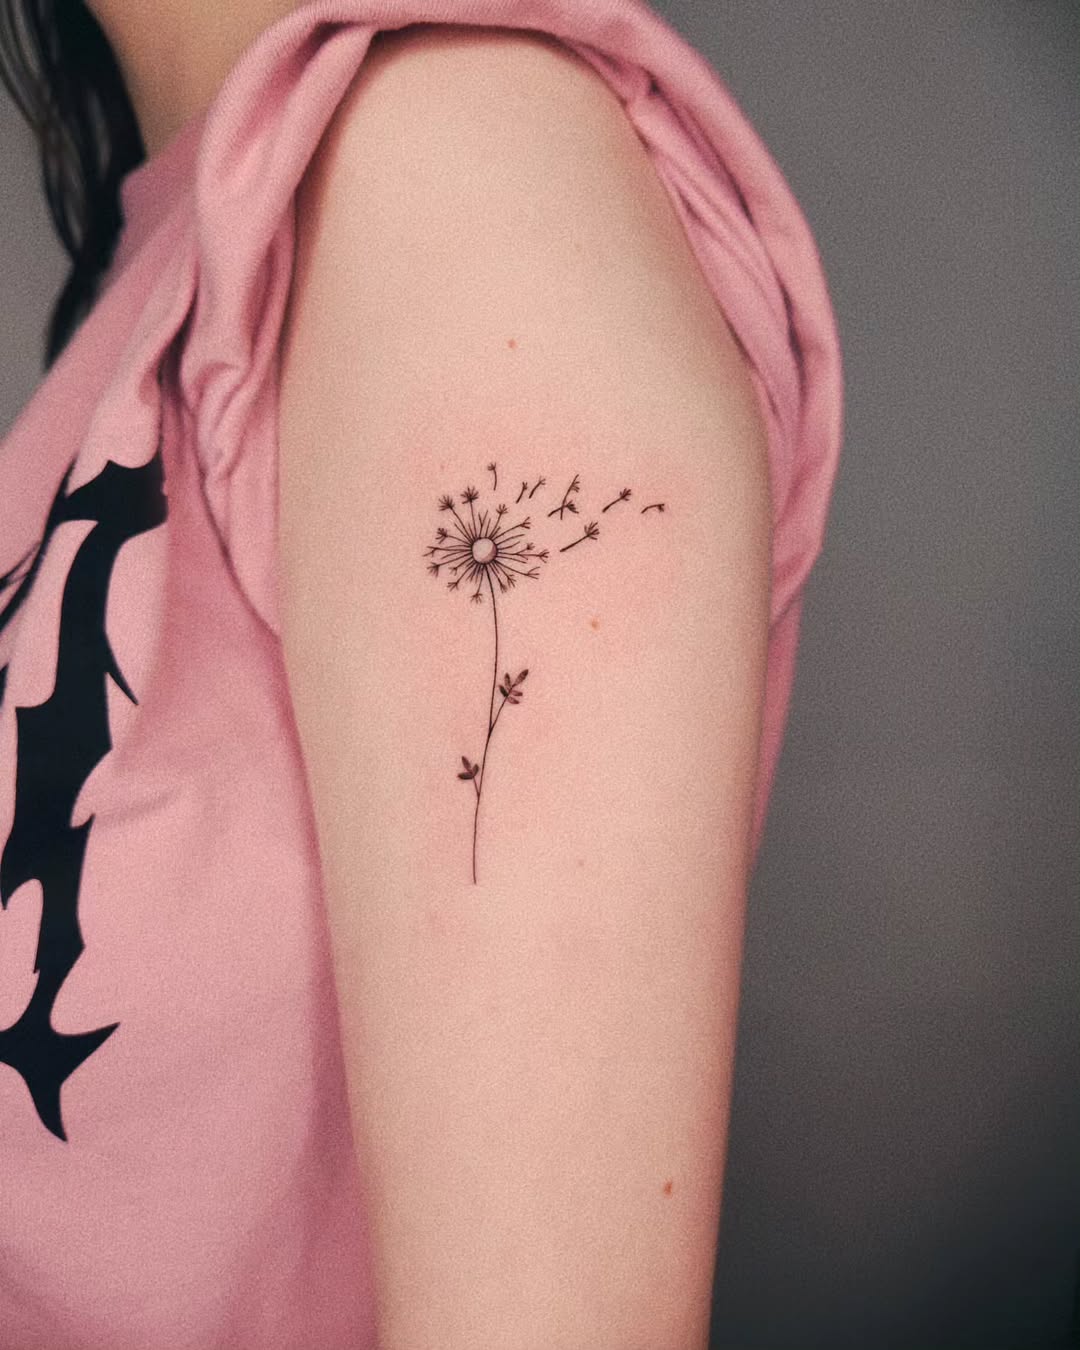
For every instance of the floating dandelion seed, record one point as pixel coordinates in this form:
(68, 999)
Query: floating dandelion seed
(653, 506)
(624, 496)
(538, 484)
(566, 504)
(592, 531)
(493, 470)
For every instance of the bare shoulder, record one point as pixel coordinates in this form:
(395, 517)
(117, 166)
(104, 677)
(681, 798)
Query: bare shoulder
(463, 151)
(496, 82)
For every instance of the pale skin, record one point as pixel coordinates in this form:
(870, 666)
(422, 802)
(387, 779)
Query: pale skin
(175, 54)
(538, 1062)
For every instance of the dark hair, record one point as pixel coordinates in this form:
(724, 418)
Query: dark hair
(59, 68)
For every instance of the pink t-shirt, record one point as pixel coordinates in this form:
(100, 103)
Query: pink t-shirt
(176, 1164)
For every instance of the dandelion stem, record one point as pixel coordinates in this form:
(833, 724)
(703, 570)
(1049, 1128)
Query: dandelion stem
(495, 667)
(492, 715)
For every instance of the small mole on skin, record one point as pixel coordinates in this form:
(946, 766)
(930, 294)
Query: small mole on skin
(594, 623)
(512, 342)
(667, 1187)
(581, 862)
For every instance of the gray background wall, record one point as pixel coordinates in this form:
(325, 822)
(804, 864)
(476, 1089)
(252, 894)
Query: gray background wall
(905, 1149)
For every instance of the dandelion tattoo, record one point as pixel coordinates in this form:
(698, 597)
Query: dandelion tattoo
(480, 550)
(653, 506)
(624, 496)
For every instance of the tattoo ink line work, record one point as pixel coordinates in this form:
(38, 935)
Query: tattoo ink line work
(592, 531)
(566, 504)
(481, 550)
(624, 496)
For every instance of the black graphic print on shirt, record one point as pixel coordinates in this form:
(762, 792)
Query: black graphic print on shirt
(58, 744)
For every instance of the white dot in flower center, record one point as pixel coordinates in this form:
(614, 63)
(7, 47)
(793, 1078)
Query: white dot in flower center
(484, 550)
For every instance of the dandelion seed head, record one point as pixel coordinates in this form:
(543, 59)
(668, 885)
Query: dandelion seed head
(477, 550)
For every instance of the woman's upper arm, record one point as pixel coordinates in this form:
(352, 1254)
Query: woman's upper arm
(493, 294)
